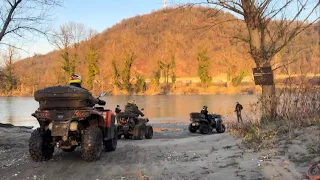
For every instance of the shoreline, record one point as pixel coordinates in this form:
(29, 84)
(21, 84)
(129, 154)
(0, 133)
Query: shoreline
(8, 125)
(150, 94)
(242, 90)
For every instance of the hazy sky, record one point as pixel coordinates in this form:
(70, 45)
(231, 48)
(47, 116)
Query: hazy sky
(96, 14)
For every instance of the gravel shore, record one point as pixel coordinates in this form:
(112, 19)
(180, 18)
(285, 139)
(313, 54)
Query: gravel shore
(173, 153)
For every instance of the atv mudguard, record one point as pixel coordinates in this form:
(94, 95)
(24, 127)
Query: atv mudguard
(104, 119)
(109, 126)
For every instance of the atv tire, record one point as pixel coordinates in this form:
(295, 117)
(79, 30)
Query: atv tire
(221, 128)
(192, 129)
(138, 132)
(204, 128)
(111, 145)
(70, 150)
(128, 136)
(119, 136)
(149, 132)
(39, 145)
(92, 143)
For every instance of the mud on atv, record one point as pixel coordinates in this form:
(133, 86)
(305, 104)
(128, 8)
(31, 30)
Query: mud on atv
(66, 123)
(199, 122)
(133, 127)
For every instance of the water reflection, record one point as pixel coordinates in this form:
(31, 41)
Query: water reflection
(160, 108)
(9, 110)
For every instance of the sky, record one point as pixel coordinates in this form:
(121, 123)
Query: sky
(95, 14)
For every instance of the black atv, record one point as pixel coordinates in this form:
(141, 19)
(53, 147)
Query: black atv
(199, 122)
(67, 122)
(130, 126)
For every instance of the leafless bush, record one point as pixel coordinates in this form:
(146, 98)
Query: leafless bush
(299, 103)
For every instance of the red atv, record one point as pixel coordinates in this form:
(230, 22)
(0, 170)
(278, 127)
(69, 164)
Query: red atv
(67, 122)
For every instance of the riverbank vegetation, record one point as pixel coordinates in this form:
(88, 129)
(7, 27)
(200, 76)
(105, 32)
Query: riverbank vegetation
(298, 107)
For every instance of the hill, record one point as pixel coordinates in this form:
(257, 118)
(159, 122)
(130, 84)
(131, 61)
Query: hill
(160, 36)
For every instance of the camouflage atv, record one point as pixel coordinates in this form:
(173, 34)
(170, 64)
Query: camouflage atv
(133, 127)
(67, 122)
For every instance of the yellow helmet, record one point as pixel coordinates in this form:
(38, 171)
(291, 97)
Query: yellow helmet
(74, 78)
(131, 101)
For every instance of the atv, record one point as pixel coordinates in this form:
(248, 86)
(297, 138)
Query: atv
(67, 122)
(199, 122)
(130, 126)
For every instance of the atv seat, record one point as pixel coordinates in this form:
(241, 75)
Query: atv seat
(126, 115)
(196, 115)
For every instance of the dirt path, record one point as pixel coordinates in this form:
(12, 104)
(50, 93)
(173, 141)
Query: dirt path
(215, 156)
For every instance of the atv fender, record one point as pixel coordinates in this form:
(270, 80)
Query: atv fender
(203, 121)
(109, 125)
(95, 120)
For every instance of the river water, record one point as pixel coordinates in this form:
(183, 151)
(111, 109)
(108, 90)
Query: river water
(159, 108)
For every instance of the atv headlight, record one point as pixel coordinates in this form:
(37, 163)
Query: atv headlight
(73, 126)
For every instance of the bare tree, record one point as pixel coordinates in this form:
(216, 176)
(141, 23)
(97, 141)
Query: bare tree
(18, 18)
(271, 25)
(8, 69)
(68, 37)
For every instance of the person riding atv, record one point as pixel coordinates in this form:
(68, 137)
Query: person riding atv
(76, 81)
(68, 119)
(131, 125)
(204, 111)
(205, 122)
(131, 107)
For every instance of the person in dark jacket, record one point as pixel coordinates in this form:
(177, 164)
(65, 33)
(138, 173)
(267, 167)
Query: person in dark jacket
(117, 110)
(204, 111)
(131, 107)
(76, 81)
(238, 110)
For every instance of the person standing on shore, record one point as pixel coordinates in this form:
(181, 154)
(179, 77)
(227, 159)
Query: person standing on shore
(238, 111)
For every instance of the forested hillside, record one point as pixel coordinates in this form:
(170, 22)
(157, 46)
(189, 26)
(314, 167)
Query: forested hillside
(178, 38)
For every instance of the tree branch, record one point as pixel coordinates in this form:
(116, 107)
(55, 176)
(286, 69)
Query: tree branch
(12, 46)
(8, 19)
(225, 4)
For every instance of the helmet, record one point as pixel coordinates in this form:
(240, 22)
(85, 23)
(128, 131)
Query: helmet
(205, 107)
(74, 78)
(131, 101)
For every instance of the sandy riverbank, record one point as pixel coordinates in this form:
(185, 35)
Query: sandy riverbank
(174, 153)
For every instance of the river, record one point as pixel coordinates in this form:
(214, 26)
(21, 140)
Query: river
(159, 109)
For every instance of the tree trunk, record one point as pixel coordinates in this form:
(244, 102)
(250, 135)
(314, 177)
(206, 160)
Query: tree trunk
(268, 99)
(257, 51)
